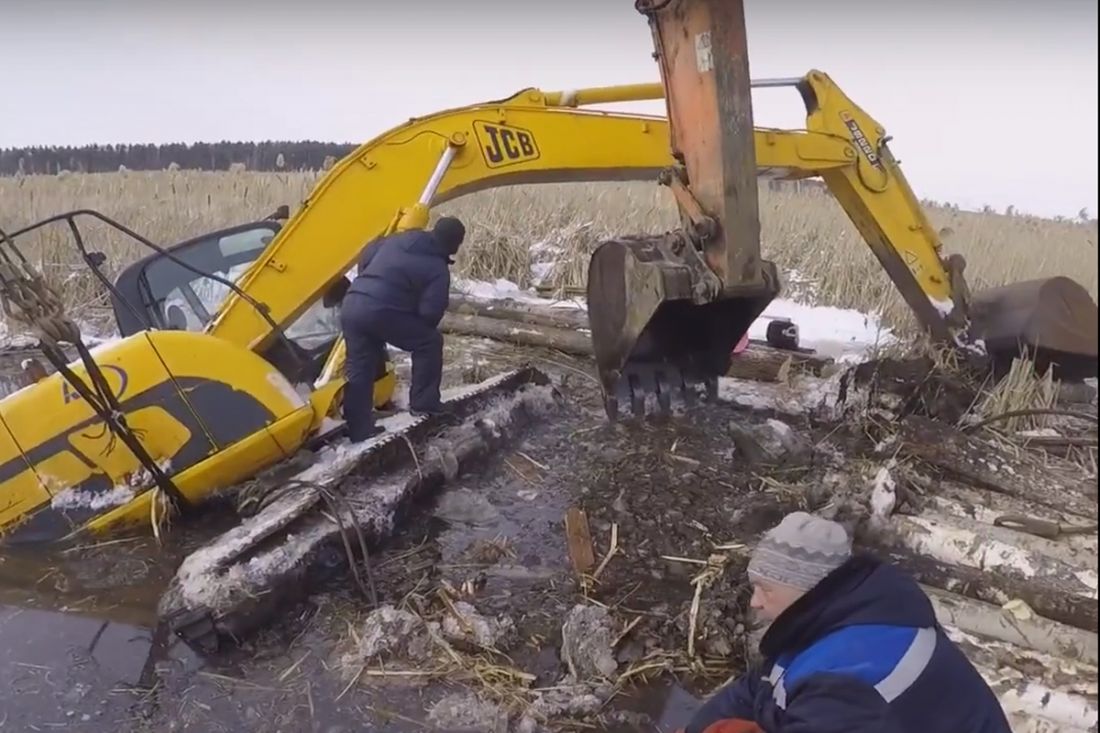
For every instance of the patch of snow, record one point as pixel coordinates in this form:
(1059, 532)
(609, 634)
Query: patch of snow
(943, 306)
(884, 496)
(841, 333)
(18, 340)
(281, 383)
(12, 341)
(501, 289)
(1039, 433)
(1088, 579)
(73, 498)
(540, 271)
(337, 459)
(844, 334)
(804, 394)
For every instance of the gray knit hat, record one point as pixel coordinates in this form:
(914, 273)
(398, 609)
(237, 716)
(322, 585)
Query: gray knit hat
(800, 551)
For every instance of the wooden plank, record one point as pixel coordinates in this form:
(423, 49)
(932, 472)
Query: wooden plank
(578, 540)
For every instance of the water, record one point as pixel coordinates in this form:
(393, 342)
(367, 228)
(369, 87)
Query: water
(81, 647)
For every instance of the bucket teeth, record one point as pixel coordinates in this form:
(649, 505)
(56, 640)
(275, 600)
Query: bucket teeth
(659, 335)
(655, 390)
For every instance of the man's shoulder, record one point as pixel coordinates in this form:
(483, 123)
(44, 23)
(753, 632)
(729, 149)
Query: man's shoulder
(871, 653)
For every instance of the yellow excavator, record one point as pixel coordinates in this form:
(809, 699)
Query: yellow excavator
(230, 359)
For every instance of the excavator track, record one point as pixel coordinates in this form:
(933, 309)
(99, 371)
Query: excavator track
(233, 584)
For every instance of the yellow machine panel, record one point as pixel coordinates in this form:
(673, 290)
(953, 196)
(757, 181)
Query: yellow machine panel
(220, 414)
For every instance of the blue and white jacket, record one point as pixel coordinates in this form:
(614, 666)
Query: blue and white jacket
(860, 653)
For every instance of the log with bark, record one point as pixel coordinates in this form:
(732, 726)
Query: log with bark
(565, 330)
(1047, 481)
(567, 317)
(239, 581)
(1038, 692)
(515, 310)
(518, 333)
(1013, 626)
(1047, 596)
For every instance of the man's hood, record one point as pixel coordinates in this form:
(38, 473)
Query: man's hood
(425, 243)
(863, 591)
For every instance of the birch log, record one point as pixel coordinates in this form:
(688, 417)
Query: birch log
(1051, 482)
(758, 363)
(1048, 597)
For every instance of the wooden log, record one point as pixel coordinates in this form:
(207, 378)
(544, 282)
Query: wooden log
(514, 310)
(766, 364)
(758, 363)
(237, 582)
(577, 319)
(1029, 632)
(1051, 482)
(981, 505)
(515, 332)
(579, 541)
(1048, 597)
(990, 551)
(965, 540)
(1035, 690)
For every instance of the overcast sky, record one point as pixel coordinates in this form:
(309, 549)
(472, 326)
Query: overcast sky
(988, 102)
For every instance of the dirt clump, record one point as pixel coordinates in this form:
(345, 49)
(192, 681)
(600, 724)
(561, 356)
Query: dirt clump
(464, 624)
(773, 443)
(586, 643)
(468, 713)
(390, 633)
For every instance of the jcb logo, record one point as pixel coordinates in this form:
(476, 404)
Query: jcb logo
(502, 145)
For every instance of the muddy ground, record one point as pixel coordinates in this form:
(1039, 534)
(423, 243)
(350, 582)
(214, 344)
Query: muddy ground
(80, 649)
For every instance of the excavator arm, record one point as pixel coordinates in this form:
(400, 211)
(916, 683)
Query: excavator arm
(673, 304)
(666, 311)
(540, 137)
(391, 182)
(878, 199)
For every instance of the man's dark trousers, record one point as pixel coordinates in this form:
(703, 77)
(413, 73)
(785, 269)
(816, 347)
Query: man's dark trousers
(367, 329)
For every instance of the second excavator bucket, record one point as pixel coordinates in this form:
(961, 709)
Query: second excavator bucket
(666, 311)
(1051, 320)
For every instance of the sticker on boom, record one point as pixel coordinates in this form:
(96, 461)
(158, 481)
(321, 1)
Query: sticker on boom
(502, 145)
(861, 140)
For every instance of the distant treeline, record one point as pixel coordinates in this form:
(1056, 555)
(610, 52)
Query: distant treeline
(270, 155)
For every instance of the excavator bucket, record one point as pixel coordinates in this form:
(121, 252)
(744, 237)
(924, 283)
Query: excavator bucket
(666, 311)
(654, 341)
(1052, 320)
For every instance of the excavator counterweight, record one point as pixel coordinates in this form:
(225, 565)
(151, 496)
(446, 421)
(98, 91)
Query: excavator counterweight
(667, 310)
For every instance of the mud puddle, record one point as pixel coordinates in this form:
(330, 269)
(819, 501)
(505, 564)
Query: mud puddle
(81, 649)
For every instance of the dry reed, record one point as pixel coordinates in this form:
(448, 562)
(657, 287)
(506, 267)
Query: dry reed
(522, 232)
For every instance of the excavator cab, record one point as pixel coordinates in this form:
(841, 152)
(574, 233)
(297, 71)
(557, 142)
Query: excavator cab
(666, 311)
(182, 288)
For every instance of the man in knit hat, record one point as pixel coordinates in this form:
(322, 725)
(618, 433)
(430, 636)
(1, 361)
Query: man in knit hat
(853, 646)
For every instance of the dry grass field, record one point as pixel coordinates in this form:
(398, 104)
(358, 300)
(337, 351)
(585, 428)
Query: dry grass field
(807, 234)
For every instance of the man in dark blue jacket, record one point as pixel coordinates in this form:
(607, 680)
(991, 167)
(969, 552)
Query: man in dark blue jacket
(854, 647)
(398, 297)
